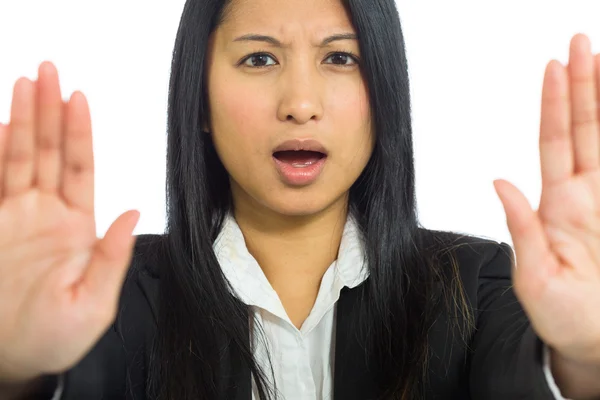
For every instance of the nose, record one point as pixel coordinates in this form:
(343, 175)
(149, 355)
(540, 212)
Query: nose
(301, 99)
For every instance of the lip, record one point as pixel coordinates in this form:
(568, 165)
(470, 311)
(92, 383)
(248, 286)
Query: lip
(301, 144)
(299, 176)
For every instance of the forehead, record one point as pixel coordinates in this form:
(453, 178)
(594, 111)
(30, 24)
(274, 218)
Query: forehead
(286, 17)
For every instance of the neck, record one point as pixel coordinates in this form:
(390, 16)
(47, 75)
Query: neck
(294, 251)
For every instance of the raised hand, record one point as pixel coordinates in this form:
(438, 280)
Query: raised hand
(59, 284)
(557, 247)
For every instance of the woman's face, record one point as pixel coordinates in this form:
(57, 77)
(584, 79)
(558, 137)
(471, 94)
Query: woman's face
(281, 71)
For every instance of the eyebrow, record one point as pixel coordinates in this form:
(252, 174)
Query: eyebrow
(252, 37)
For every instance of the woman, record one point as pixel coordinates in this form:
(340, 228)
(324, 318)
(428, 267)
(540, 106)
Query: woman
(293, 265)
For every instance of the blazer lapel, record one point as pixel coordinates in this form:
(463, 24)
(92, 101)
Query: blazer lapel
(353, 380)
(241, 379)
(237, 383)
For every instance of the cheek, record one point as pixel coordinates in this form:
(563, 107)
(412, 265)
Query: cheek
(349, 105)
(350, 110)
(238, 112)
(239, 121)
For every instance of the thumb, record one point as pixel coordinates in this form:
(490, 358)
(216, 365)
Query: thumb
(111, 258)
(529, 238)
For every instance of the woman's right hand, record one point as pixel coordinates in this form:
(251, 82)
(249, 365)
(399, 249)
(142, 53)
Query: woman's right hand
(59, 283)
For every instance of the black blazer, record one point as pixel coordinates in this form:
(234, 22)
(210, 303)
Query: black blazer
(503, 360)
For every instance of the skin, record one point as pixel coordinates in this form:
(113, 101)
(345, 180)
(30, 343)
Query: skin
(302, 91)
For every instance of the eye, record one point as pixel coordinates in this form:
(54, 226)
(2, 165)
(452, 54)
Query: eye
(258, 60)
(261, 60)
(343, 59)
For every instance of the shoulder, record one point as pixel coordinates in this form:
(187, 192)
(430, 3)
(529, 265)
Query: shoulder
(149, 252)
(473, 257)
(139, 295)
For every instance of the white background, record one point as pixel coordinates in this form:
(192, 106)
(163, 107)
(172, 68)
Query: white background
(476, 71)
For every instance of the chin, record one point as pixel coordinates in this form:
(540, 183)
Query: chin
(296, 204)
(288, 201)
(297, 211)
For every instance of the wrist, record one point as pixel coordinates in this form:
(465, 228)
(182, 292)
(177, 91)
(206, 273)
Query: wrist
(41, 387)
(575, 379)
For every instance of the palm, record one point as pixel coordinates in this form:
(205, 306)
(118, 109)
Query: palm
(557, 248)
(39, 215)
(54, 245)
(59, 284)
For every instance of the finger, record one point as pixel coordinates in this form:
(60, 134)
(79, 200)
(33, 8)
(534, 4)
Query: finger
(19, 157)
(3, 142)
(529, 239)
(49, 128)
(78, 158)
(584, 113)
(556, 147)
(110, 260)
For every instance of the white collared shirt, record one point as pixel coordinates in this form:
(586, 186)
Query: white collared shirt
(302, 359)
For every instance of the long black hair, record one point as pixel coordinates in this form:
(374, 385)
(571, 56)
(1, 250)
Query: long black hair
(202, 327)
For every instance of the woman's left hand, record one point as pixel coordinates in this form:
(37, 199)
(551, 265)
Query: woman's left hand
(557, 247)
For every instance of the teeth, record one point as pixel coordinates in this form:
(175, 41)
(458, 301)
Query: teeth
(302, 165)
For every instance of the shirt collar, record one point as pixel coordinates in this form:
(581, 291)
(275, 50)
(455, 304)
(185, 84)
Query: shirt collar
(250, 284)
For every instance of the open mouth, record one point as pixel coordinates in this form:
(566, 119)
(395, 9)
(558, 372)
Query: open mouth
(299, 158)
